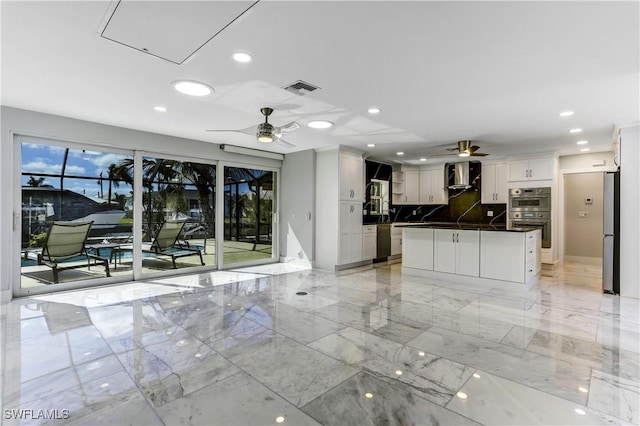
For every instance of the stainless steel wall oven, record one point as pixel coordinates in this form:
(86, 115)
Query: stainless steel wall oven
(531, 208)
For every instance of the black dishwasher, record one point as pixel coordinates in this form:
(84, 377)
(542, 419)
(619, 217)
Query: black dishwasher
(383, 249)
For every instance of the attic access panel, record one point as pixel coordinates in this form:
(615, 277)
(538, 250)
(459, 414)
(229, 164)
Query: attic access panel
(171, 30)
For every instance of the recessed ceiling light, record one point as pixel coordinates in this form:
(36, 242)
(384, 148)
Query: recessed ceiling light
(566, 113)
(320, 124)
(582, 142)
(461, 395)
(368, 395)
(575, 130)
(242, 57)
(279, 419)
(585, 150)
(374, 110)
(583, 389)
(371, 145)
(192, 88)
(399, 153)
(423, 159)
(580, 411)
(399, 373)
(159, 109)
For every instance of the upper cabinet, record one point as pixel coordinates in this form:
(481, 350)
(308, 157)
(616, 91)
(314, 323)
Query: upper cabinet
(406, 186)
(534, 169)
(494, 186)
(351, 176)
(432, 187)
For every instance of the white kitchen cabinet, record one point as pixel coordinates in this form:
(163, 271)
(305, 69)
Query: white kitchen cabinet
(432, 187)
(494, 184)
(457, 252)
(418, 248)
(509, 256)
(369, 242)
(406, 187)
(339, 200)
(351, 176)
(350, 232)
(396, 240)
(532, 169)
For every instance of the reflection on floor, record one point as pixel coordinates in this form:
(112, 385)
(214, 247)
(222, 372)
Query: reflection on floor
(363, 346)
(33, 275)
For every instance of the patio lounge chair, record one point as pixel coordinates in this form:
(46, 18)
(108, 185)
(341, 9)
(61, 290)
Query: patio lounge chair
(166, 243)
(65, 242)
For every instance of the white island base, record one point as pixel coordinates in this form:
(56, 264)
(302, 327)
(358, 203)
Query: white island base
(487, 258)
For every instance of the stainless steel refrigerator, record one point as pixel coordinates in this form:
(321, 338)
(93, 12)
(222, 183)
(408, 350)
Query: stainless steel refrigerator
(611, 239)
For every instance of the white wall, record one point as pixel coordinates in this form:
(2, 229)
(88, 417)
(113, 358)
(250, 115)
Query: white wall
(629, 216)
(297, 207)
(18, 121)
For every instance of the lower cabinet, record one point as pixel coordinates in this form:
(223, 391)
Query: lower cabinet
(369, 242)
(396, 240)
(350, 245)
(457, 252)
(509, 256)
(481, 255)
(418, 248)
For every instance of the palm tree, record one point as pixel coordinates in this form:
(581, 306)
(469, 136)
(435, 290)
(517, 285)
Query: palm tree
(35, 182)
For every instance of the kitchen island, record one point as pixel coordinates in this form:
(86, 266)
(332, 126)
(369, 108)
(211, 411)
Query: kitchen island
(473, 253)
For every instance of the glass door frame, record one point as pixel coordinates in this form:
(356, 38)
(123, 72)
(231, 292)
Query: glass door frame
(16, 189)
(275, 218)
(138, 219)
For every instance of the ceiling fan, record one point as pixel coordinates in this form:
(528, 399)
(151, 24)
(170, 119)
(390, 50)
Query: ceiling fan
(266, 132)
(465, 149)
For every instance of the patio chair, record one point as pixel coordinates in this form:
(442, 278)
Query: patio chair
(65, 242)
(166, 243)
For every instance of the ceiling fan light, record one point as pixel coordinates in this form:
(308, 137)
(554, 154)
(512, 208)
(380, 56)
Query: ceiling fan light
(266, 138)
(463, 154)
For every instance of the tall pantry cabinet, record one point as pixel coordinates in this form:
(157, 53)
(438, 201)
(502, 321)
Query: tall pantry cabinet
(339, 206)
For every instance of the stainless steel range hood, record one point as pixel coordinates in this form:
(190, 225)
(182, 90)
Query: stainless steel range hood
(461, 175)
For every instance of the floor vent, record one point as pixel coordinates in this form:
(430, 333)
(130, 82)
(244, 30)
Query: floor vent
(300, 87)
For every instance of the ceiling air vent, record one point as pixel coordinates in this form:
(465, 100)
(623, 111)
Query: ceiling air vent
(300, 87)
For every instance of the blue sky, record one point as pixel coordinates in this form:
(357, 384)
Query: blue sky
(49, 159)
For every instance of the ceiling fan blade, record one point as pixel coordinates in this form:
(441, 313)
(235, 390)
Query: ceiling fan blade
(290, 127)
(283, 142)
(477, 154)
(251, 131)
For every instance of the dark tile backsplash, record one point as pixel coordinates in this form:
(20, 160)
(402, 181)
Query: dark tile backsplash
(464, 204)
(464, 207)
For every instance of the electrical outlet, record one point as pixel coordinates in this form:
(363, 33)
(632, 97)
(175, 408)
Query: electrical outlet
(490, 213)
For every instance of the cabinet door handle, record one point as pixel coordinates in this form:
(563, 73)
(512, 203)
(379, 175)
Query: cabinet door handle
(457, 238)
(453, 237)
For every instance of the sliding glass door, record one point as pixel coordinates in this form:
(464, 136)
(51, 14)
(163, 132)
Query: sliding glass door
(249, 211)
(76, 209)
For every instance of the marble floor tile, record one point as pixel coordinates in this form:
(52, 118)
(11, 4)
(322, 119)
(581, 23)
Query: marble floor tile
(239, 399)
(240, 347)
(433, 378)
(615, 396)
(295, 371)
(303, 326)
(366, 400)
(540, 372)
(493, 400)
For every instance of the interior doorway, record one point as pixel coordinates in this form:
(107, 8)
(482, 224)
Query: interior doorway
(583, 216)
(583, 225)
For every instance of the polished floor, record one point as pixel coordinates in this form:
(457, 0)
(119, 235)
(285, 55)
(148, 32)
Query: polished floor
(368, 346)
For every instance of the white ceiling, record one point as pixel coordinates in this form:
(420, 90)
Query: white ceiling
(498, 73)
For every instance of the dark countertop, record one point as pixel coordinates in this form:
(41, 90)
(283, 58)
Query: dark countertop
(462, 225)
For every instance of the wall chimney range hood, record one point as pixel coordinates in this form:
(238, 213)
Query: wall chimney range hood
(461, 176)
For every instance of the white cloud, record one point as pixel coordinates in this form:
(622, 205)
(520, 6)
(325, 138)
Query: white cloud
(40, 166)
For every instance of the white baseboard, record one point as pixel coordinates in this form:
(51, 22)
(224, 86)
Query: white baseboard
(584, 260)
